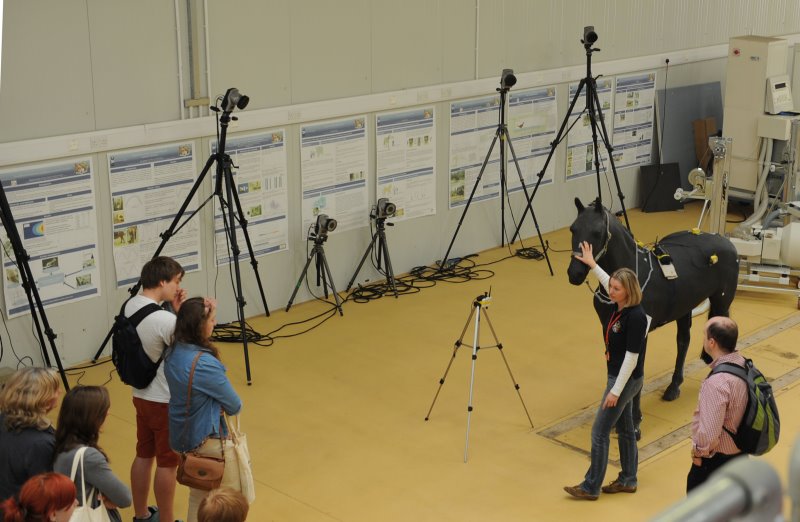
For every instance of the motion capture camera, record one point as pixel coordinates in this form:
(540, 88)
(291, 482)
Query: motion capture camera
(384, 209)
(324, 225)
(589, 36)
(507, 79)
(233, 99)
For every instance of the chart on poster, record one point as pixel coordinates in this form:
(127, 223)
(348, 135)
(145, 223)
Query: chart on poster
(634, 103)
(580, 144)
(532, 115)
(473, 125)
(260, 184)
(53, 206)
(406, 161)
(148, 187)
(334, 172)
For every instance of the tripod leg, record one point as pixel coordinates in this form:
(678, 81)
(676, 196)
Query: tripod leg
(321, 271)
(253, 262)
(458, 344)
(553, 145)
(469, 201)
(500, 347)
(529, 202)
(166, 235)
(592, 90)
(300, 279)
(383, 246)
(475, 348)
(330, 278)
(363, 259)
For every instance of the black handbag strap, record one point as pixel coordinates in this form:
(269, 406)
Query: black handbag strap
(189, 402)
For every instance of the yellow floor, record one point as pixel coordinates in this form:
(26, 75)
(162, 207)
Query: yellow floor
(335, 417)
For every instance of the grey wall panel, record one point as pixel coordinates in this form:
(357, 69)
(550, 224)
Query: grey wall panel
(457, 19)
(406, 44)
(330, 52)
(47, 84)
(134, 55)
(250, 48)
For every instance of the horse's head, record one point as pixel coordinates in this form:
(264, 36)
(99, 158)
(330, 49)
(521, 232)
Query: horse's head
(591, 225)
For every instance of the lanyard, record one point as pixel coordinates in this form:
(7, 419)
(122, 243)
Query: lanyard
(614, 317)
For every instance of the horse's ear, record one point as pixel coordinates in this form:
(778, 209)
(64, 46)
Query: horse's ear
(598, 206)
(579, 205)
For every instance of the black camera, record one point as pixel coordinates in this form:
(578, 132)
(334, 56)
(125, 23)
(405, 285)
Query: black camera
(507, 79)
(324, 225)
(384, 209)
(589, 36)
(233, 99)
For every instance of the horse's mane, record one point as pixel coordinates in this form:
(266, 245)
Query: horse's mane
(599, 207)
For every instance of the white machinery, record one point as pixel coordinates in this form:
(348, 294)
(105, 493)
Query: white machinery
(757, 160)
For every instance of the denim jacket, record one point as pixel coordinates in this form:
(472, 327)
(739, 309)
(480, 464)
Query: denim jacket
(211, 394)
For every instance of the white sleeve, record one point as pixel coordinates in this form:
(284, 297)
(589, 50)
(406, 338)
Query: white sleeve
(625, 372)
(601, 276)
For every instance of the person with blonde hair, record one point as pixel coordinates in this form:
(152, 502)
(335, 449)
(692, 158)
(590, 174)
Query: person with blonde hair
(223, 505)
(27, 438)
(625, 325)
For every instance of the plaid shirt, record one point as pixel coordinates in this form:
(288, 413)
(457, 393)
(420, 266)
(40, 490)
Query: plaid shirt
(723, 399)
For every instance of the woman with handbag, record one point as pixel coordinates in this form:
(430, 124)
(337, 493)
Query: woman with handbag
(200, 395)
(27, 437)
(78, 456)
(44, 497)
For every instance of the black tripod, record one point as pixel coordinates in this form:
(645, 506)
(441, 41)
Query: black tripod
(38, 316)
(318, 255)
(383, 250)
(225, 191)
(595, 112)
(507, 80)
(480, 302)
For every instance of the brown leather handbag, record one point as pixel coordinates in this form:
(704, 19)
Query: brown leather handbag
(195, 470)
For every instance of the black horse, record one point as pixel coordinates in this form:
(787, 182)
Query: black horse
(706, 264)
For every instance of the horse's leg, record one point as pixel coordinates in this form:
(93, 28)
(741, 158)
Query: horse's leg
(684, 325)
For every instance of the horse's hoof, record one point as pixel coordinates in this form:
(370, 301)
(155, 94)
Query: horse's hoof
(672, 393)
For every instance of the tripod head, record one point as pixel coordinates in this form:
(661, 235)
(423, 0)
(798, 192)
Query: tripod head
(483, 300)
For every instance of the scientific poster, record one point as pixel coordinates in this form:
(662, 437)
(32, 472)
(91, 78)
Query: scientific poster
(334, 172)
(406, 161)
(148, 187)
(53, 206)
(633, 119)
(531, 121)
(260, 183)
(580, 147)
(473, 126)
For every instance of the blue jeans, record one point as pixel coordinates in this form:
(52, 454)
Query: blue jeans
(620, 416)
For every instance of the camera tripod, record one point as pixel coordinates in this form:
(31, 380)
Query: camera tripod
(480, 302)
(225, 191)
(501, 133)
(321, 263)
(595, 112)
(38, 316)
(383, 249)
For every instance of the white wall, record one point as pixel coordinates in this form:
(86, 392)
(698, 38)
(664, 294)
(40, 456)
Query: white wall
(92, 76)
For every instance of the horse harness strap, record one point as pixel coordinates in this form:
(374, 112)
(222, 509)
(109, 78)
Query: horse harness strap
(608, 237)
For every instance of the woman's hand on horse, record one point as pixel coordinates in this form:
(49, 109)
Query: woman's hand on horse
(586, 257)
(611, 401)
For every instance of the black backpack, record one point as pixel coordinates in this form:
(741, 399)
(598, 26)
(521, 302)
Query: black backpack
(133, 365)
(761, 426)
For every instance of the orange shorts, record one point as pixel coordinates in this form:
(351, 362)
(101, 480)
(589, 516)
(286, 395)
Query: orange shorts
(152, 433)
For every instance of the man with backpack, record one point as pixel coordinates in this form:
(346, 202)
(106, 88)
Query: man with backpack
(161, 279)
(722, 403)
